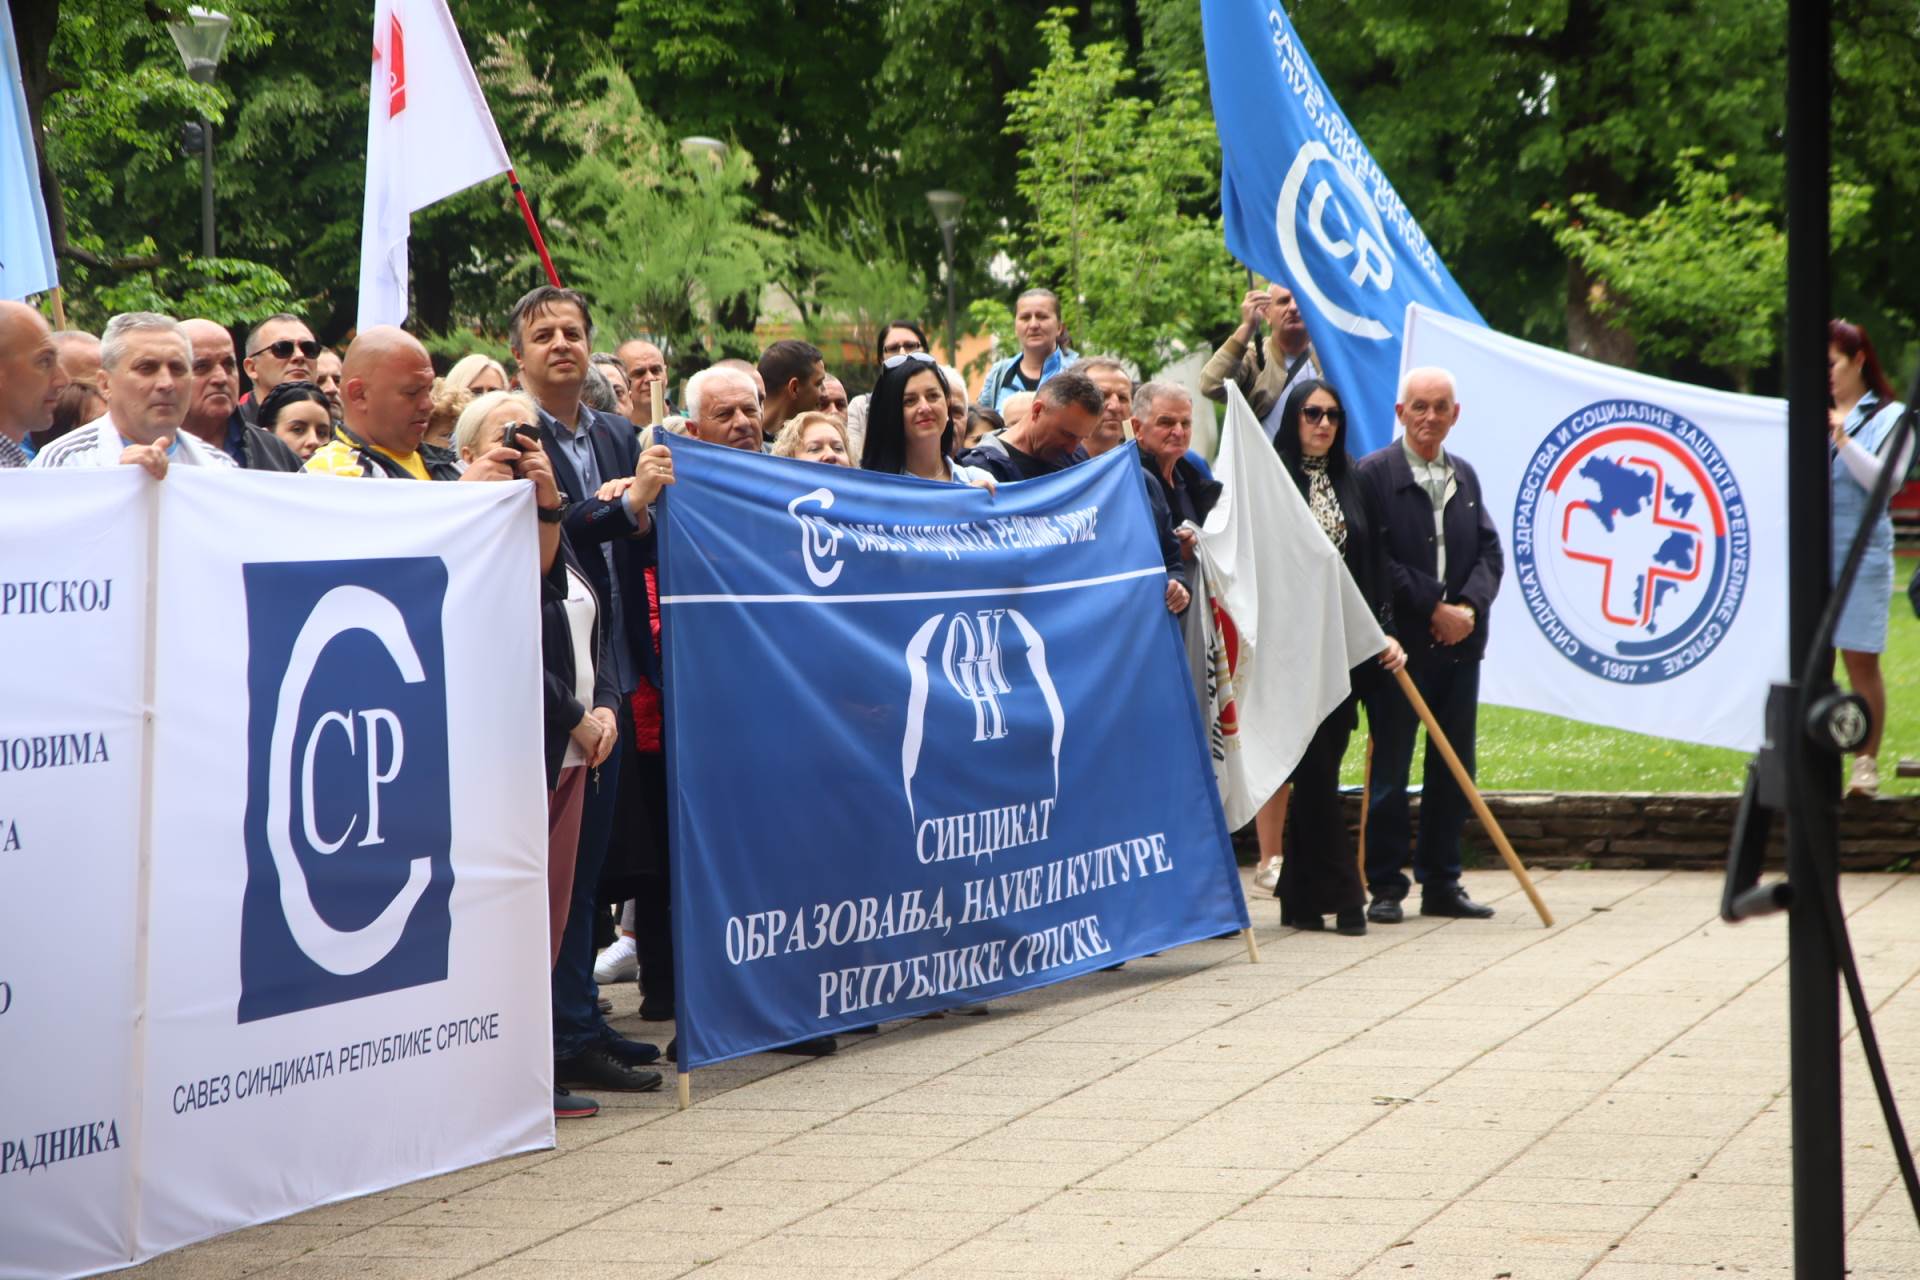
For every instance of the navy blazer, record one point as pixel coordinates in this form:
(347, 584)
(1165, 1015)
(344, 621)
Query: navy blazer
(1474, 559)
(591, 522)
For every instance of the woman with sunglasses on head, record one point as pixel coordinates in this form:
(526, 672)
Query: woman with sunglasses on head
(1861, 425)
(1319, 874)
(910, 424)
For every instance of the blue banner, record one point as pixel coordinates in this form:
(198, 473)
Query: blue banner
(26, 247)
(1306, 206)
(926, 745)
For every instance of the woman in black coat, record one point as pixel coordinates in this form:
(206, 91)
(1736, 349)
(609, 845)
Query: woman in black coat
(1320, 873)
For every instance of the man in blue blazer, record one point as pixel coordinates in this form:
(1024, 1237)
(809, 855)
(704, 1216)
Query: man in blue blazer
(551, 333)
(1445, 561)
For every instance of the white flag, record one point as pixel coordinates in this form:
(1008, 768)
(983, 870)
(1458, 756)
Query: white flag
(1288, 619)
(429, 134)
(1644, 522)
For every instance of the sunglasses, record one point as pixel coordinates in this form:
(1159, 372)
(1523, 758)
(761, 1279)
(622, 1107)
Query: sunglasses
(906, 357)
(1313, 414)
(283, 349)
(902, 347)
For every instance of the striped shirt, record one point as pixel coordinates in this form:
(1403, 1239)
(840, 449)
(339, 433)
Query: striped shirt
(99, 444)
(11, 454)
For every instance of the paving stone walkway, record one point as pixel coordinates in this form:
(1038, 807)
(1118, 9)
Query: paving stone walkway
(1439, 1100)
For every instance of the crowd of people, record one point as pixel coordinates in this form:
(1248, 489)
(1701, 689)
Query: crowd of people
(584, 427)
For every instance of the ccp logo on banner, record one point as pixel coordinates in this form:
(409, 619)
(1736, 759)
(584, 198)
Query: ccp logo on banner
(349, 826)
(1630, 542)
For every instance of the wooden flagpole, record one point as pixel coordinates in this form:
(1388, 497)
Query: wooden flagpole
(59, 309)
(1366, 791)
(1439, 738)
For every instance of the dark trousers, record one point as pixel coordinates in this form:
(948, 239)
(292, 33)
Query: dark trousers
(643, 819)
(1320, 872)
(1452, 691)
(577, 1022)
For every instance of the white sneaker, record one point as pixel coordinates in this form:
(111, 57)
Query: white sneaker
(1268, 876)
(618, 963)
(1865, 779)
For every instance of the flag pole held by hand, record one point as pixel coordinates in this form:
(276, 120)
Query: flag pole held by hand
(1439, 739)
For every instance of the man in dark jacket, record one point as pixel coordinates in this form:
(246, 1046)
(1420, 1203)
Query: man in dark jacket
(1065, 411)
(550, 331)
(213, 412)
(1445, 562)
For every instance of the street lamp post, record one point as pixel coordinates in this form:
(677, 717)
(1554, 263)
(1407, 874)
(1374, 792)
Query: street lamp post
(712, 148)
(946, 211)
(201, 39)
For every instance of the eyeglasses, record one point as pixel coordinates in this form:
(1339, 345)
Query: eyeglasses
(915, 357)
(903, 346)
(1313, 413)
(283, 349)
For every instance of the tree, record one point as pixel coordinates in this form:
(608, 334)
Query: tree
(857, 275)
(1124, 193)
(1702, 276)
(663, 243)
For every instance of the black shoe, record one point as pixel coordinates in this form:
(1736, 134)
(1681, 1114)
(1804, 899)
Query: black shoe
(819, 1047)
(571, 1106)
(598, 1067)
(1386, 911)
(1307, 921)
(1351, 921)
(635, 1053)
(656, 1012)
(1453, 902)
(673, 1049)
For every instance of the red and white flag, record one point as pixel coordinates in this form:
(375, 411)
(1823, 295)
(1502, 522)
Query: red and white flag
(429, 134)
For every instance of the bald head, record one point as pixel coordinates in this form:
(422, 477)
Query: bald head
(31, 379)
(216, 380)
(386, 390)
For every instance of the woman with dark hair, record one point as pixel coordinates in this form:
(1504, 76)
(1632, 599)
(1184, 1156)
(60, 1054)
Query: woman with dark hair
(289, 413)
(1319, 873)
(898, 338)
(1861, 422)
(910, 424)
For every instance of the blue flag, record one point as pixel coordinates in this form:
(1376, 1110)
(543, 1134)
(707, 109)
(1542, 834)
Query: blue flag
(926, 746)
(26, 247)
(1306, 206)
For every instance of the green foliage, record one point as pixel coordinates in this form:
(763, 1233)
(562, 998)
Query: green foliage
(663, 242)
(1701, 275)
(1123, 192)
(857, 276)
(231, 290)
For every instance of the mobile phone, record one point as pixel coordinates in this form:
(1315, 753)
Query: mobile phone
(517, 437)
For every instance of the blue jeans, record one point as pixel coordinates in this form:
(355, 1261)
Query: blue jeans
(1452, 691)
(577, 1022)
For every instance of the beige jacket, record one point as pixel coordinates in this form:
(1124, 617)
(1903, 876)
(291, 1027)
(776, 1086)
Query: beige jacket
(1261, 386)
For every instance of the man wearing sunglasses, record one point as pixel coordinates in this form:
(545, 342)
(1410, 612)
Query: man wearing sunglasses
(280, 349)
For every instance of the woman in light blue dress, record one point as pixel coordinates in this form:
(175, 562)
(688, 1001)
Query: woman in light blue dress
(1864, 412)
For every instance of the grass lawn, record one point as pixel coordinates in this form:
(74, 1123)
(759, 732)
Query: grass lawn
(1530, 751)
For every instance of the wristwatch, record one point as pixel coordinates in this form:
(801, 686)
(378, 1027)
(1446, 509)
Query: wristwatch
(551, 515)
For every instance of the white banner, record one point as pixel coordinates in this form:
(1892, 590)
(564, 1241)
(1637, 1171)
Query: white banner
(1644, 523)
(337, 926)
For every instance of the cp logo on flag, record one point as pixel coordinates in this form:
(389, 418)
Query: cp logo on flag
(1346, 232)
(1631, 542)
(348, 824)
